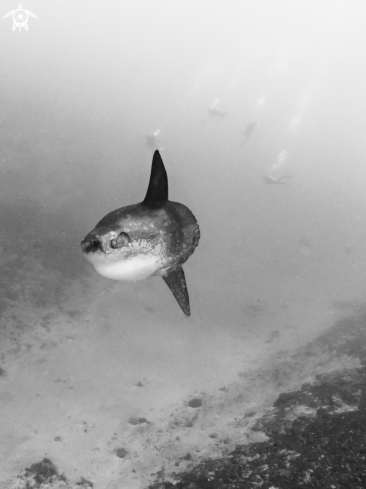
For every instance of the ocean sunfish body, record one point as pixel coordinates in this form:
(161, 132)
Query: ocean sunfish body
(152, 238)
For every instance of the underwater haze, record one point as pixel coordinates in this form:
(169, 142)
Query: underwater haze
(258, 112)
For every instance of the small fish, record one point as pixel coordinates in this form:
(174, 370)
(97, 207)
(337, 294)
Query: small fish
(276, 181)
(152, 238)
(249, 131)
(216, 112)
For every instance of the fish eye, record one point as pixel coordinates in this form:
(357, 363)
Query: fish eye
(122, 240)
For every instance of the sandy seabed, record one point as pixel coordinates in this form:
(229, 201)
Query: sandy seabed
(97, 393)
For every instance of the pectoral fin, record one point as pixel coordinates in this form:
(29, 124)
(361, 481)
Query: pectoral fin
(176, 282)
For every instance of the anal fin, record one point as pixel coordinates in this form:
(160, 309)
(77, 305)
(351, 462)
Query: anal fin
(176, 282)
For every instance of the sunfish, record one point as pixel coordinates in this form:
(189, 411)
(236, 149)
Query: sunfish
(152, 238)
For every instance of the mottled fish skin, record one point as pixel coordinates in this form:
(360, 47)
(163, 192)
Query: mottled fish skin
(152, 238)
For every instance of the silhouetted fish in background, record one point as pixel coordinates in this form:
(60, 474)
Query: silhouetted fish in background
(152, 238)
(249, 130)
(276, 181)
(217, 112)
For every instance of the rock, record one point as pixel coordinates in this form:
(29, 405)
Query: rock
(196, 402)
(121, 452)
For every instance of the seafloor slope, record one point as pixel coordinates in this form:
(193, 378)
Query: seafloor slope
(296, 421)
(315, 436)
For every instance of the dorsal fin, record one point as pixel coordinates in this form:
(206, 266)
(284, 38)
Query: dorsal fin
(157, 192)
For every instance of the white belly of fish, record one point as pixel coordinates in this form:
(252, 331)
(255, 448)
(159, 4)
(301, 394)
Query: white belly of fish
(136, 268)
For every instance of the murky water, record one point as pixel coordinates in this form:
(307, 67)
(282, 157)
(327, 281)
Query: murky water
(97, 375)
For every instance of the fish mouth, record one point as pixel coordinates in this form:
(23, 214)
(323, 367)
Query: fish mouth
(92, 245)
